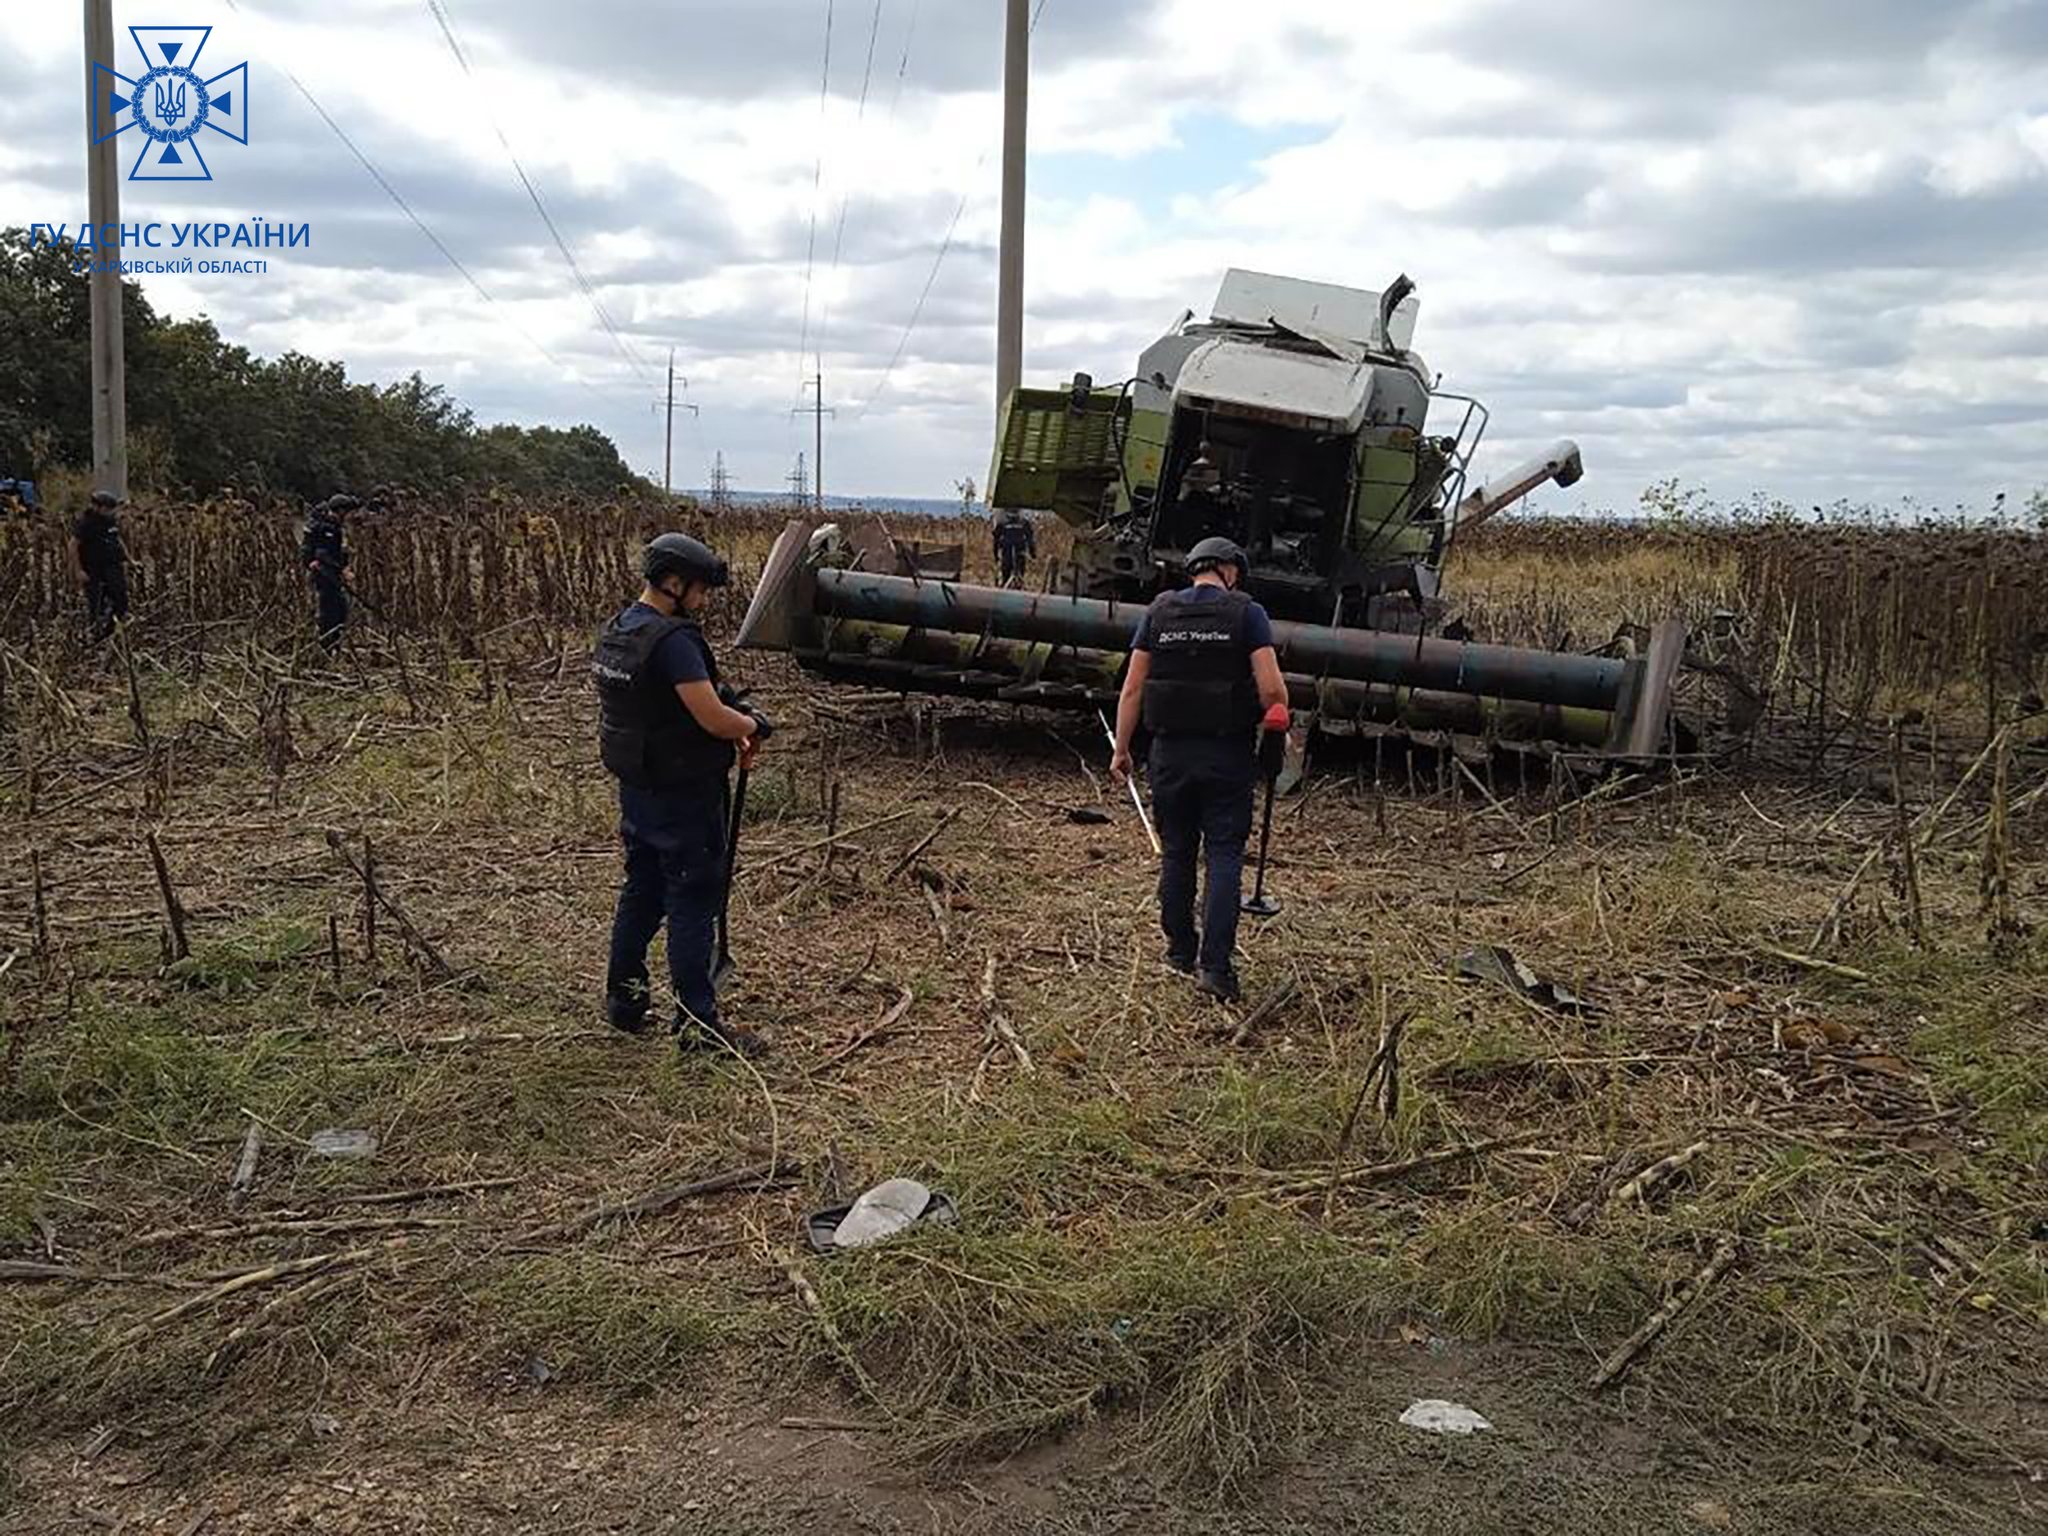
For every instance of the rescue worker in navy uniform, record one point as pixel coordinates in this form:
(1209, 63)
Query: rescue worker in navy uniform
(325, 553)
(1204, 678)
(670, 733)
(102, 561)
(1016, 541)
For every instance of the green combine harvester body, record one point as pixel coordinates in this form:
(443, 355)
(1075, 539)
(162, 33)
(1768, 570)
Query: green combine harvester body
(1297, 421)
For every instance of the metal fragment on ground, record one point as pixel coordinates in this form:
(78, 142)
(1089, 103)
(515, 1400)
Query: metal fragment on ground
(1492, 962)
(1438, 1417)
(890, 1207)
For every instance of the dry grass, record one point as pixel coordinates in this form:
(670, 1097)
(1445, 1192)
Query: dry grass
(1147, 1240)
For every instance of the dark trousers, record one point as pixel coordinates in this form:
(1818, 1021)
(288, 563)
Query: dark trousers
(675, 872)
(106, 599)
(330, 609)
(1011, 564)
(1202, 800)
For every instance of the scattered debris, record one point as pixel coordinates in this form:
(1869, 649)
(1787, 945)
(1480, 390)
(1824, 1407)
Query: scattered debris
(1268, 1006)
(323, 1424)
(879, 1030)
(335, 1143)
(1088, 816)
(830, 1426)
(655, 1201)
(1814, 1034)
(1814, 963)
(1684, 1296)
(1664, 1169)
(1491, 962)
(537, 1371)
(1385, 1070)
(245, 1169)
(891, 1207)
(1437, 1417)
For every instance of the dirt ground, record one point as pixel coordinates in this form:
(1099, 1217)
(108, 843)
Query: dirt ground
(1201, 1269)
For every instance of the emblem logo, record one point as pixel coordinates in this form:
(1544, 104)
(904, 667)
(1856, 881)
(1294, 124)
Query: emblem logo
(170, 103)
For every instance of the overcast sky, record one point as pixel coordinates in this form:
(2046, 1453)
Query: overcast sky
(1790, 246)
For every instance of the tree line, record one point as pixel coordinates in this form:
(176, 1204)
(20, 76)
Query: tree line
(205, 414)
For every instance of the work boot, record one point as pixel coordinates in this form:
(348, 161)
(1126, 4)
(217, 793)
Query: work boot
(1221, 985)
(1184, 964)
(694, 1037)
(627, 1011)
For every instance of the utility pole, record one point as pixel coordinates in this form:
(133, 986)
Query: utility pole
(799, 485)
(103, 204)
(1010, 265)
(721, 485)
(668, 439)
(819, 410)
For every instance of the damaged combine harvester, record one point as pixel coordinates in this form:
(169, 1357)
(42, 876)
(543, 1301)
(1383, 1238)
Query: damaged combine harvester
(1295, 422)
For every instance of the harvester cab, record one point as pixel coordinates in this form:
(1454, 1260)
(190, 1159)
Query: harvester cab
(1296, 421)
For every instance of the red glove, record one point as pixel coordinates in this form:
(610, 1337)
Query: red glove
(1278, 718)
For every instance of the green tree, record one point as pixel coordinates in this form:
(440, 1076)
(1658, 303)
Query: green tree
(213, 414)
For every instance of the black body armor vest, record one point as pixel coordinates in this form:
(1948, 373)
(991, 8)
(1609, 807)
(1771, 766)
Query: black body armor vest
(1201, 678)
(100, 549)
(646, 736)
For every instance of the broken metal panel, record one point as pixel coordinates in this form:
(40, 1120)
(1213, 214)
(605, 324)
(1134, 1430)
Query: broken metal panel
(1260, 298)
(1057, 451)
(1647, 723)
(1302, 390)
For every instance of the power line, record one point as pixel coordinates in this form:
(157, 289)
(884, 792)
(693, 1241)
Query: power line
(945, 247)
(846, 202)
(803, 344)
(418, 223)
(442, 19)
(903, 68)
(917, 311)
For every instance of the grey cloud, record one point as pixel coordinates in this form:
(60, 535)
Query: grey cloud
(1551, 194)
(1901, 225)
(1821, 47)
(727, 49)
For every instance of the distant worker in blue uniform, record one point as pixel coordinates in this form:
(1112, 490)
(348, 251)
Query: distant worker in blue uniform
(324, 552)
(1204, 680)
(103, 562)
(1016, 541)
(669, 733)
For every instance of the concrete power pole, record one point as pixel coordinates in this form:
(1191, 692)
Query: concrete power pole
(819, 410)
(1010, 270)
(103, 202)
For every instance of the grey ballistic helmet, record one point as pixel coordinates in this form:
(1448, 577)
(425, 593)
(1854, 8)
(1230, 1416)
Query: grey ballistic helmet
(677, 554)
(1212, 552)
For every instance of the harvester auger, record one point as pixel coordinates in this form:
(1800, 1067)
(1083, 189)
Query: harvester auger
(1294, 421)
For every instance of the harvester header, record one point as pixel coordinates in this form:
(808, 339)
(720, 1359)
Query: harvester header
(1297, 421)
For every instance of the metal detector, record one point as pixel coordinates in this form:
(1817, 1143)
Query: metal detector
(1272, 758)
(723, 967)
